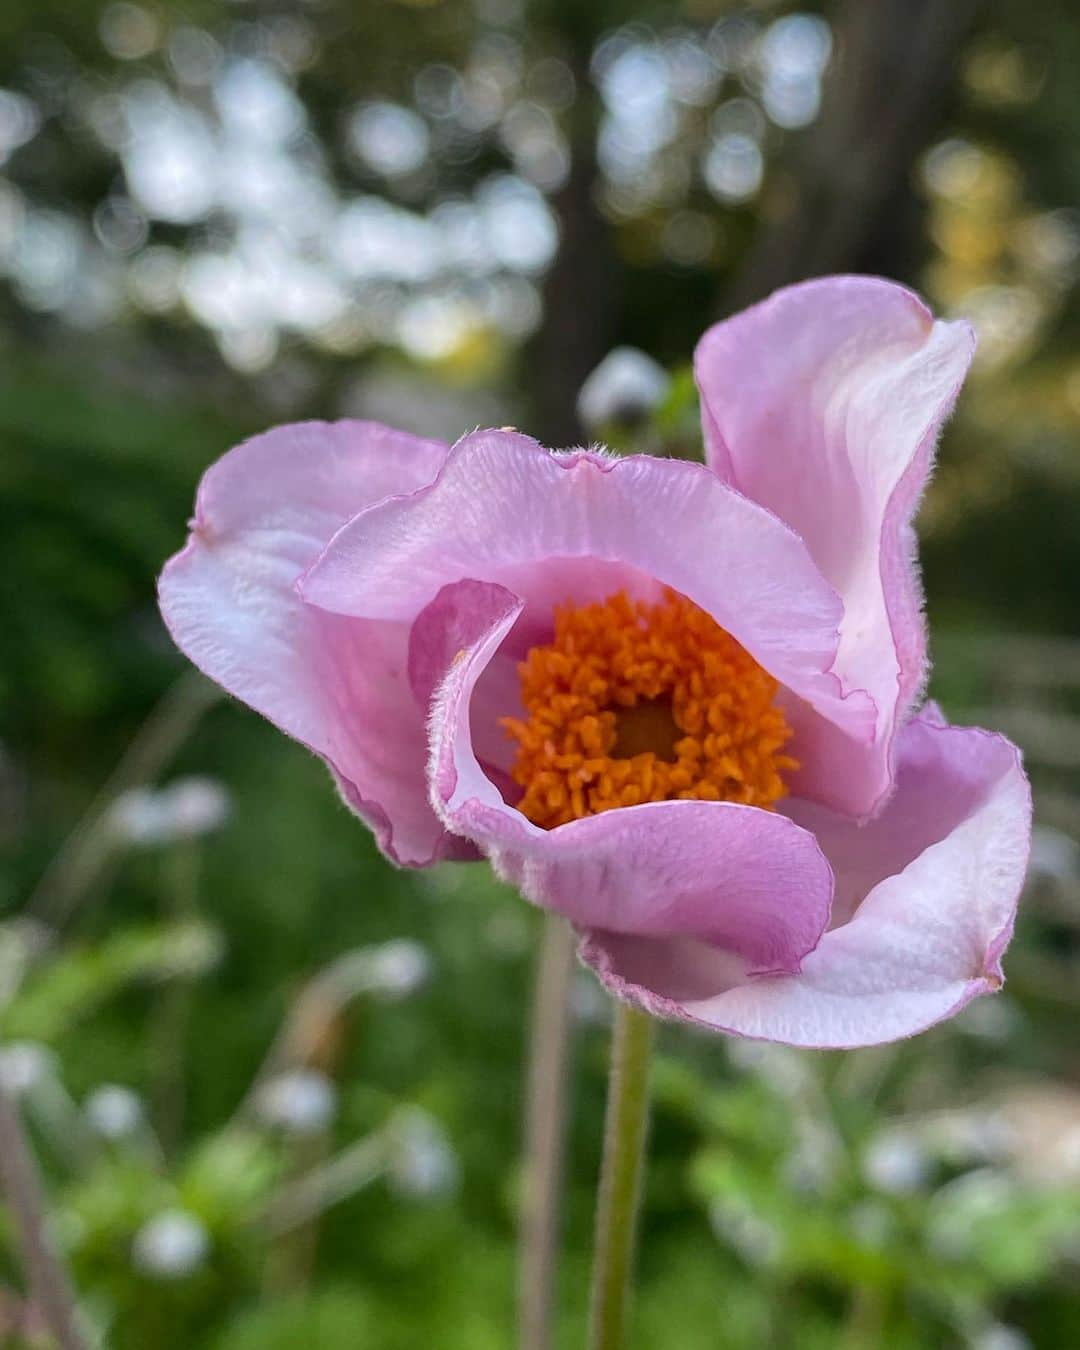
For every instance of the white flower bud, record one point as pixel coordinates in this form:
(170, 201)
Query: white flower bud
(170, 1245)
(196, 806)
(755, 1239)
(23, 1065)
(423, 1163)
(399, 968)
(895, 1162)
(114, 1112)
(625, 386)
(301, 1102)
(998, 1336)
(187, 808)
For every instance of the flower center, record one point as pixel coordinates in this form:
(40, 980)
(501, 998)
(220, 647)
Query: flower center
(634, 702)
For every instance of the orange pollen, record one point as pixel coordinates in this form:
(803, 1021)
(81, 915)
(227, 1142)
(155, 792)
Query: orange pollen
(635, 702)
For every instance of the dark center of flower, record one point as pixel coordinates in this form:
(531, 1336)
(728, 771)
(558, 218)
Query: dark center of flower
(648, 727)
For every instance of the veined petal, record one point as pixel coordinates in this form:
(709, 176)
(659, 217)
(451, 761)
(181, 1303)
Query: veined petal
(264, 512)
(824, 404)
(943, 871)
(502, 505)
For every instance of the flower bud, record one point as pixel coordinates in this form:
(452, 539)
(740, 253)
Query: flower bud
(300, 1102)
(171, 1245)
(113, 1112)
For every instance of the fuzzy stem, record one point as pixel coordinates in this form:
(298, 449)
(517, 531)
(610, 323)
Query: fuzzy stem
(625, 1133)
(545, 1133)
(50, 1287)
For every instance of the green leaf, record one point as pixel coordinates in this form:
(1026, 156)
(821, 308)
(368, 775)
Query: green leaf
(76, 982)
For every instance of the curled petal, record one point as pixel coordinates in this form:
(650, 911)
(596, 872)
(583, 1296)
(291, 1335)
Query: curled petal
(943, 871)
(264, 512)
(749, 885)
(502, 509)
(824, 404)
(741, 882)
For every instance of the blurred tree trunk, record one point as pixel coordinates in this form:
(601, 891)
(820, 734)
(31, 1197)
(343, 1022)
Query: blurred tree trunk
(580, 290)
(843, 203)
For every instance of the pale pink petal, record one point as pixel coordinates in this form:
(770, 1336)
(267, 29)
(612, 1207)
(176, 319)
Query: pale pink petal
(440, 635)
(748, 880)
(264, 512)
(503, 510)
(540, 588)
(744, 882)
(824, 404)
(943, 868)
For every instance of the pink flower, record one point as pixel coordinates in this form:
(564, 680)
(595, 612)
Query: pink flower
(675, 703)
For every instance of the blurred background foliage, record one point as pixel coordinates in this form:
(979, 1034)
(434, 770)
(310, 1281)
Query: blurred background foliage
(274, 1085)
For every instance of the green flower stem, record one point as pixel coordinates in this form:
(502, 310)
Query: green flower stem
(20, 1185)
(625, 1135)
(545, 1134)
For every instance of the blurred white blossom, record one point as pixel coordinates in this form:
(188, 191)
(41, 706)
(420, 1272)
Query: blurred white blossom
(300, 1101)
(20, 120)
(753, 1237)
(423, 1163)
(399, 967)
(896, 1161)
(391, 139)
(22, 940)
(171, 1245)
(589, 999)
(113, 1111)
(128, 32)
(625, 386)
(1054, 854)
(187, 808)
(23, 1065)
(999, 1336)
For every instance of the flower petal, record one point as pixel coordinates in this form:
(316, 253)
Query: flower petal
(264, 512)
(749, 881)
(503, 507)
(824, 404)
(458, 615)
(734, 878)
(944, 864)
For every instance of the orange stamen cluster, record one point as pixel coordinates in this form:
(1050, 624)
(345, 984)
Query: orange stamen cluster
(634, 702)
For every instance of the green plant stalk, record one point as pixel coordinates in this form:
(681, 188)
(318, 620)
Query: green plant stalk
(173, 1013)
(550, 1033)
(47, 1277)
(625, 1134)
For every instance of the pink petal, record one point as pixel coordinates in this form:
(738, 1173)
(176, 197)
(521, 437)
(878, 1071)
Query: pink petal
(824, 404)
(737, 880)
(750, 881)
(503, 510)
(264, 512)
(458, 616)
(942, 867)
